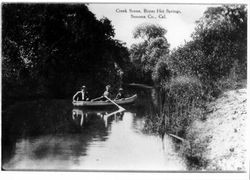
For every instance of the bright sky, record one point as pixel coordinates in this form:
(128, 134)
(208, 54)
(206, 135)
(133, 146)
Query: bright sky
(179, 25)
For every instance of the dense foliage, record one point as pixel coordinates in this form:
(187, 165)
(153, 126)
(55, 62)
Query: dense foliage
(146, 54)
(215, 60)
(50, 50)
(197, 72)
(218, 50)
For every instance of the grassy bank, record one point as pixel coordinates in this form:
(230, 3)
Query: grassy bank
(213, 126)
(219, 141)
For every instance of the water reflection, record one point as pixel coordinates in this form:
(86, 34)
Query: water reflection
(81, 117)
(55, 135)
(79, 113)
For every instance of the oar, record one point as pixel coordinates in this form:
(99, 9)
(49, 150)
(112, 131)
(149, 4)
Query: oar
(121, 108)
(96, 98)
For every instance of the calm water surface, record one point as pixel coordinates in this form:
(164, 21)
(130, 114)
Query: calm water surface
(42, 135)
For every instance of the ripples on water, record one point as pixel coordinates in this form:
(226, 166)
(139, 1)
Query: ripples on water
(54, 135)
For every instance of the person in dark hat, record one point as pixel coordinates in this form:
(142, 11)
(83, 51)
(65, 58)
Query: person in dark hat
(81, 95)
(120, 94)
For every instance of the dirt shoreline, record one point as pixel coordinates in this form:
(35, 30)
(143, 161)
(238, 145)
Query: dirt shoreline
(222, 136)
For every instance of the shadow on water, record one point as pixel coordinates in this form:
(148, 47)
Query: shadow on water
(49, 122)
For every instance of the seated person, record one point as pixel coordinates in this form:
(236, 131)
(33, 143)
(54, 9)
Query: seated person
(81, 95)
(120, 94)
(106, 93)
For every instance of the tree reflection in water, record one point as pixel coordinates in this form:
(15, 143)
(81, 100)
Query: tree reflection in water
(45, 130)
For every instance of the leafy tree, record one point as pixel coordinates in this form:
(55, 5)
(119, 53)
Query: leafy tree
(222, 35)
(147, 53)
(149, 31)
(162, 72)
(217, 50)
(50, 50)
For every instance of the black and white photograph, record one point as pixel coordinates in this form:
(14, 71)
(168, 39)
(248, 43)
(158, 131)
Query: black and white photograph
(124, 87)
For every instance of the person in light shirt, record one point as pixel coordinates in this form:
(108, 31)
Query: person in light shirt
(81, 95)
(105, 94)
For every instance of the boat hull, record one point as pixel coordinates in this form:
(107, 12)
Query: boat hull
(105, 103)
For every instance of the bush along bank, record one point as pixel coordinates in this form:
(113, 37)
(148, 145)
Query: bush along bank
(211, 131)
(183, 102)
(197, 74)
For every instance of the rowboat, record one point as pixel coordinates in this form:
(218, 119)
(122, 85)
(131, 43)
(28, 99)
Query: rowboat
(105, 103)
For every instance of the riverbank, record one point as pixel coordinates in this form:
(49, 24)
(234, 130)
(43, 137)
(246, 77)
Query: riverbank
(220, 140)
